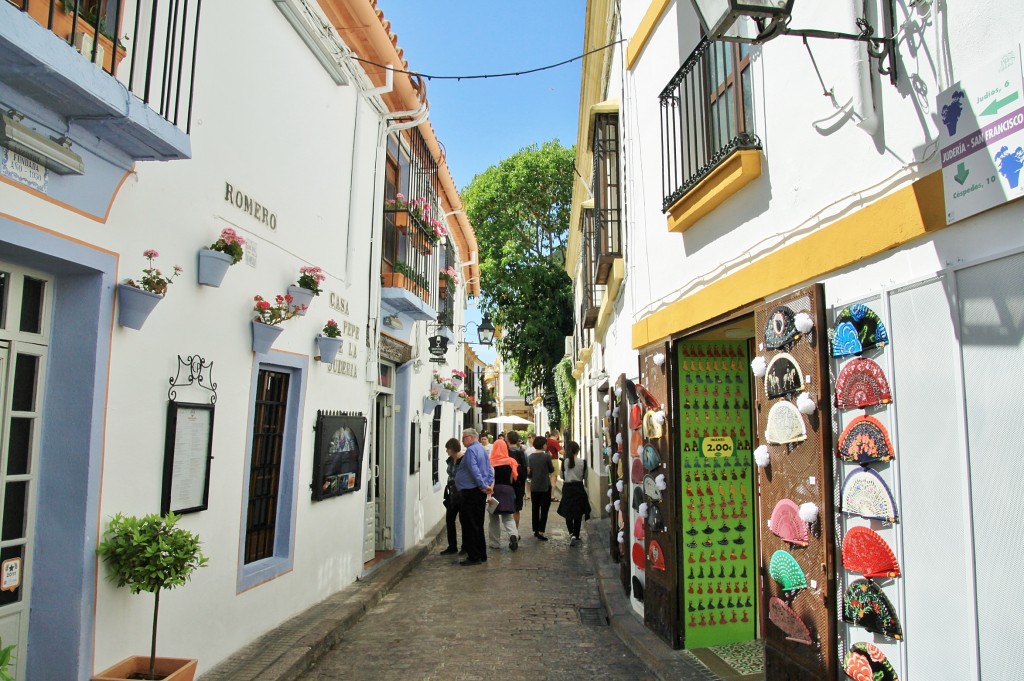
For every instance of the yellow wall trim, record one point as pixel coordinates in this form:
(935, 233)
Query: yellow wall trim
(888, 223)
(644, 31)
(615, 278)
(741, 168)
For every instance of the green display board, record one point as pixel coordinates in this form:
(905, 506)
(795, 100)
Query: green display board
(718, 550)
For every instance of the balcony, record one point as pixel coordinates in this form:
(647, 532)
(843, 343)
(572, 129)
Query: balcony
(707, 126)
(54, 68)
(592, 293)
(409, 269)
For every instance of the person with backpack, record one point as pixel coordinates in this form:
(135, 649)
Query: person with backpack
(575, 506)
(515, 451)
(540, 469)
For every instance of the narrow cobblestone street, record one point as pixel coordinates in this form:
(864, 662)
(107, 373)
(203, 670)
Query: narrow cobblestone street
(530, 614)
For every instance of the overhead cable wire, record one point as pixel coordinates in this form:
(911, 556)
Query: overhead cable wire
(491, 75)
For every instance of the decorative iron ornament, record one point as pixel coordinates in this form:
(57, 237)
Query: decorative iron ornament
(200, 375)
(746, 140)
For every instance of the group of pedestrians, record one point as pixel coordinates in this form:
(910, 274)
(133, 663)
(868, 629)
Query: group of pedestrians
(478, 478)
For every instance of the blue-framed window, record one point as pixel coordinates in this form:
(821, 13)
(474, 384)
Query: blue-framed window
(271, 466)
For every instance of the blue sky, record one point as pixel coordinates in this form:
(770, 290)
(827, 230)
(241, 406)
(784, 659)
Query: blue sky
(482, 121)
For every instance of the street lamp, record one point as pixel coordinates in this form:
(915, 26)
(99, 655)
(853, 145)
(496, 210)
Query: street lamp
(485, 331)
(758, 21)
(736, 19)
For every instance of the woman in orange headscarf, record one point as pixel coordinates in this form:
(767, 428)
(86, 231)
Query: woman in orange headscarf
(506, 470)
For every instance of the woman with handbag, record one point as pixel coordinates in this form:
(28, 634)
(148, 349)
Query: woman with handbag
(451, 496)
(575, 506)
(506, 472)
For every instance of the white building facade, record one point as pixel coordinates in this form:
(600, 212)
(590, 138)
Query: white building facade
(298, 475)
(852, 219)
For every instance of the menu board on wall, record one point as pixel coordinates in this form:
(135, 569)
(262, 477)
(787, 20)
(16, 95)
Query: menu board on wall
(188, 448)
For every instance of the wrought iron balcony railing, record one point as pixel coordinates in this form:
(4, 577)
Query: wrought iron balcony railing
(158, 39)
(410, 256)
(705, 116)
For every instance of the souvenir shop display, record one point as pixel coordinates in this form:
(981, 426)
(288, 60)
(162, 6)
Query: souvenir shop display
(795, 456)
(865, 605)
(784, 617)
(784, 569)
(865, 552)
(866, 453)
(865, 441)
(857, 328)
(787, 524)
(862, 383)
(866, 494)
(866, 662)
(718, 551)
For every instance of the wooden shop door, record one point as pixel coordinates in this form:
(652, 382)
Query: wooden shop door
(797, 558)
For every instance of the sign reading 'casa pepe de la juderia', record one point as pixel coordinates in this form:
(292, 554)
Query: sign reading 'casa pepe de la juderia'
(982, 138)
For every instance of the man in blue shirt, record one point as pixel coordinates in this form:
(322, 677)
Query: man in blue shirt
(475, 481)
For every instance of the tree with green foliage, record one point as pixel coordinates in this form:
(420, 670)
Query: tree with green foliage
(520, 210)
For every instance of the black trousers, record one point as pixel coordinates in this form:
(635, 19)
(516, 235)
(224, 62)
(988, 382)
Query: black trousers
(573, 523)
(541, 505)
(450, 515)
(471, 517)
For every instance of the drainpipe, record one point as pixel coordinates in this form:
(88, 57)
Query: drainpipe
(863, 100)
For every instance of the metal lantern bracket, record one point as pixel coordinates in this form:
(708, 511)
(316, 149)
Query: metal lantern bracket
(882, 48)
(200, 375)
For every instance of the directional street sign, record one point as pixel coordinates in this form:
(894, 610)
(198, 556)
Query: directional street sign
(982, 139)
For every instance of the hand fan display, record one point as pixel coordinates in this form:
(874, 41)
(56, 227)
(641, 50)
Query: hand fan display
(638, 555)
(656, 556)
(861, 383)
(638, 528)
(865, 441)
(655, 520)
(785, 424)
(857, 329)
(651, 488)
(865, 605)
(866, 552)
(638, 589)
(866, 494)
(785, 618)
(866, 662)
(782, 376)
(784, 569)
(636, 471)
(651, 458)
(636, 497)
(780, 328)
(787, 524)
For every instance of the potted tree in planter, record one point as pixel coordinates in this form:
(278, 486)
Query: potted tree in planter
(150, 554)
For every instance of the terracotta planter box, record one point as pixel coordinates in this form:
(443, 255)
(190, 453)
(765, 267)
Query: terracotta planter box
(40, 11)
(172, 669)
(393, 280)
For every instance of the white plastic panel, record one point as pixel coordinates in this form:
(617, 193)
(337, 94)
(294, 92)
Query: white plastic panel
(991, 302)
(937, 612)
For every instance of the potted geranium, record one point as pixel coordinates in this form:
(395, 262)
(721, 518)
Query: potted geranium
(136, 299)
(307, 286)
(328, 343)
(269, 316)
(150, 554)
(222, 254)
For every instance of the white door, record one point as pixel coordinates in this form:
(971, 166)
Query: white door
(24, 332)
(384, 444)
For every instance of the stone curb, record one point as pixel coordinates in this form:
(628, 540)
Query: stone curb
(667, 664)
(287, 651)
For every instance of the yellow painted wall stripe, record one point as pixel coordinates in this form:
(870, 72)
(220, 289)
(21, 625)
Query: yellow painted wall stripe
(888, 223)
(644, 31)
